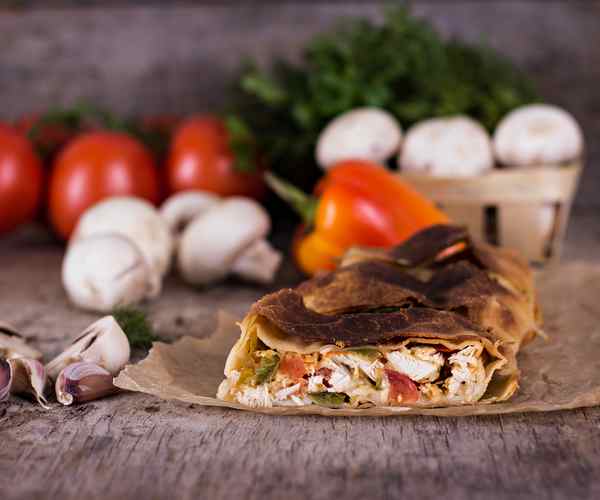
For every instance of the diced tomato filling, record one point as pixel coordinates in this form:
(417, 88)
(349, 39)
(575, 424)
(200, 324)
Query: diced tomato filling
(401, 385)
(292, 365)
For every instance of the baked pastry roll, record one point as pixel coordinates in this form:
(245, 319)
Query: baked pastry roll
(437, 321)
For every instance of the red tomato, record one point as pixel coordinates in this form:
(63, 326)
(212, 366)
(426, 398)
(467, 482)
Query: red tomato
(21, 180)
(292, 365)
(401, 385)
(94, 166)
(200, 158)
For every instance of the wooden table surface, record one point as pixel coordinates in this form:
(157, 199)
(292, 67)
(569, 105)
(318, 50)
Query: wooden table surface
(135, 446)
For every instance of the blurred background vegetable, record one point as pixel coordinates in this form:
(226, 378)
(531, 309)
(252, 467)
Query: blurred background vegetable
(402, 65)
(21, 180)
(357, 203)
(94, 166)
(202, 157)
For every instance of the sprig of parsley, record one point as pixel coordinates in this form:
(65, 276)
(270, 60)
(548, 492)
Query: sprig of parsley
(136, 326)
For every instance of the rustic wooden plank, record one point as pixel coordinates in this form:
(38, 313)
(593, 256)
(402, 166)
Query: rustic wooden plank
(135, 446)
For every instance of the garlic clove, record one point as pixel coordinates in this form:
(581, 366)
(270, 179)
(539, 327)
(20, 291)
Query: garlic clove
(103, 343)
(102, 272)
(259, 262)
(28, 376)
(12, 345)
(83, 381)
(181, 208)
(5, 379)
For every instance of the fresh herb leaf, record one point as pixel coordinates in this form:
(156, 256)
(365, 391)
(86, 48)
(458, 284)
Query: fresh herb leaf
(266, 369)
(136, 326)
(329, 399)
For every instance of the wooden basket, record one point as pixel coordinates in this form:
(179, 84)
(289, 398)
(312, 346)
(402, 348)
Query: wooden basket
(526, 209)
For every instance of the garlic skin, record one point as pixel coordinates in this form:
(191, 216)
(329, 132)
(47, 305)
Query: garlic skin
(83, 381)
(104, 271)
(447, 147)
(5, 379)
(29, 377)
(23, 376)
(367, 133)
(228, 238)
(537, 134)
(136, 220)
(12, 345)
(103, 343)
(181, 208)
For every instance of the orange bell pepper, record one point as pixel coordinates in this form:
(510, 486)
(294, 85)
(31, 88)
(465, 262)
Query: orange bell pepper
(359, 203)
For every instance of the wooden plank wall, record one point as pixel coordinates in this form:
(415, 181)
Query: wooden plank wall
(148, 57)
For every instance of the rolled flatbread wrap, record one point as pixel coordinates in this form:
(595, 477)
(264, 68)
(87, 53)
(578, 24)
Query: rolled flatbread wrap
(437, 321)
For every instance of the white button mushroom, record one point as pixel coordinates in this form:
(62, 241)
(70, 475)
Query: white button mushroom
(181, 208)
(457, 146)
(104, 271)
(360, 134)
(537, 134)
(135, 219)
(228, 238)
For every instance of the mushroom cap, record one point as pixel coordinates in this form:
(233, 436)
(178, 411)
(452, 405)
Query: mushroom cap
(537, 134)
(360, 134)
(214, 239)
(104, 271)
(137, 220)
(179, 209)
(455, 146)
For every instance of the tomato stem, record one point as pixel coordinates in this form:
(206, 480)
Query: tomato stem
(303, 204)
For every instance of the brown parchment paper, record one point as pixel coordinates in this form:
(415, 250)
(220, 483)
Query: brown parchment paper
(560, 373)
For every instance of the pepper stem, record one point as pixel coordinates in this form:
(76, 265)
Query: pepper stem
(303, 204)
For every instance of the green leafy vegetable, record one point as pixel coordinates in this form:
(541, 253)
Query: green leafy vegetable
(266, 369)
(136, 326)
(401, 65)
(330, 399)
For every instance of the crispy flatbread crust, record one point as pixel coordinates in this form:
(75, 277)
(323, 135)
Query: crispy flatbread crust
(437, 288)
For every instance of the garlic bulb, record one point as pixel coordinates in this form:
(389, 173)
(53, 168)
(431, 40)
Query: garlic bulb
(448, 147)
(537, 134)
(103, 343)
(104, 271)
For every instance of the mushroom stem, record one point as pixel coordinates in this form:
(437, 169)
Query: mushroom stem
(258, 262)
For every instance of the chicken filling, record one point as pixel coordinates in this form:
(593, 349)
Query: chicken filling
(337, 377)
